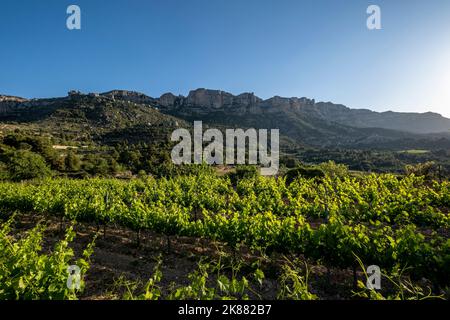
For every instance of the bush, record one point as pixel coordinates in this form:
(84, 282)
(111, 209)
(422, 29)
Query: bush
(243, 172)
(72, 161)
(289, 161)
(427, 169)
(306, 172)
(334, 170)
(24, 165)
(3, 171)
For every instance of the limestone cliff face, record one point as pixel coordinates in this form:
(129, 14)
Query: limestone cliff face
(428, 122)
(278, 104)
(217, 104)
(209, 102)
(215, 99)
(126, 95)
(8, 103)
(168, 100)
(203, 101)
(11, 99)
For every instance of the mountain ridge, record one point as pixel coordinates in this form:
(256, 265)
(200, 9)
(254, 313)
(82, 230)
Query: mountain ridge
(206, 100)
(203, 101)
(301, 119)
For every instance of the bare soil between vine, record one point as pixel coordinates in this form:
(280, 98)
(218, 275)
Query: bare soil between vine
(117, 255)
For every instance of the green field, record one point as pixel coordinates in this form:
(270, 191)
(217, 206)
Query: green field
(415, 151)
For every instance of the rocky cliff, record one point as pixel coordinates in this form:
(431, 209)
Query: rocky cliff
(131, 96)
(208, 102)
(203, 101)
(8, 103)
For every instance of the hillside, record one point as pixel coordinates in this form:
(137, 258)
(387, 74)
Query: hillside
(90, 117)
(307, 122)
(428, 122)
(121, 115)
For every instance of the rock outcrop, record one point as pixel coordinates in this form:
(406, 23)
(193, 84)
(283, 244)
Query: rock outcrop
(204, 101)
(8, 103)
(131, 96)
(218, 104)
(11, 99)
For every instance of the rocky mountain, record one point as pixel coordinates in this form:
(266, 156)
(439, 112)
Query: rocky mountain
(11, 99)
(302, 121)
(204, 101)
(428, 122)
(307, 122)
(87, 117)
(9, 102)
(131, 96)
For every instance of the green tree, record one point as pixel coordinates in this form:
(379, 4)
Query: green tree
(304, 171)
(3, 171)
(333, 170)
(243, 172)
(427, 169)
(23, 165)
(72, 161)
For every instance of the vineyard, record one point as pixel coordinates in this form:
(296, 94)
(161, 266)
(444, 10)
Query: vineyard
(400, 224)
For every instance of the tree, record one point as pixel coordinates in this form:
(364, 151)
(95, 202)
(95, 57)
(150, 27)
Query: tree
(306, 172)
(333, 170)
(72, 161)
(101, 167)
(130, 158)
(3, 171)
(427, 169)
(243, 172)
(289, 161)
(24, 164)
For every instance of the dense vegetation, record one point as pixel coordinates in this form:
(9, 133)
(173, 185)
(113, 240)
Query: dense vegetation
(387, 206)
(24, 156)
(335, 219)
(88, 135)
(27, 273)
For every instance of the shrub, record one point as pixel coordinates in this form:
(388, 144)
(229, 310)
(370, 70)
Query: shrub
(72, 161)
(24, 165)
(243, 172)
(306, 172)
(427, 169)
(333, 169)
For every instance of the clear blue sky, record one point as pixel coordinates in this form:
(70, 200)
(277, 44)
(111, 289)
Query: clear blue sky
(316, 48)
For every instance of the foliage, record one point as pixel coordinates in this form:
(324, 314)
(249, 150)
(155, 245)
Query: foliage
(24, 165)
(72, 161)
(306, 172)
(333, 170)
(293, 285)
(403, 287)
(243, 172)
(27, 273)
(385, 219)
(427, 169)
